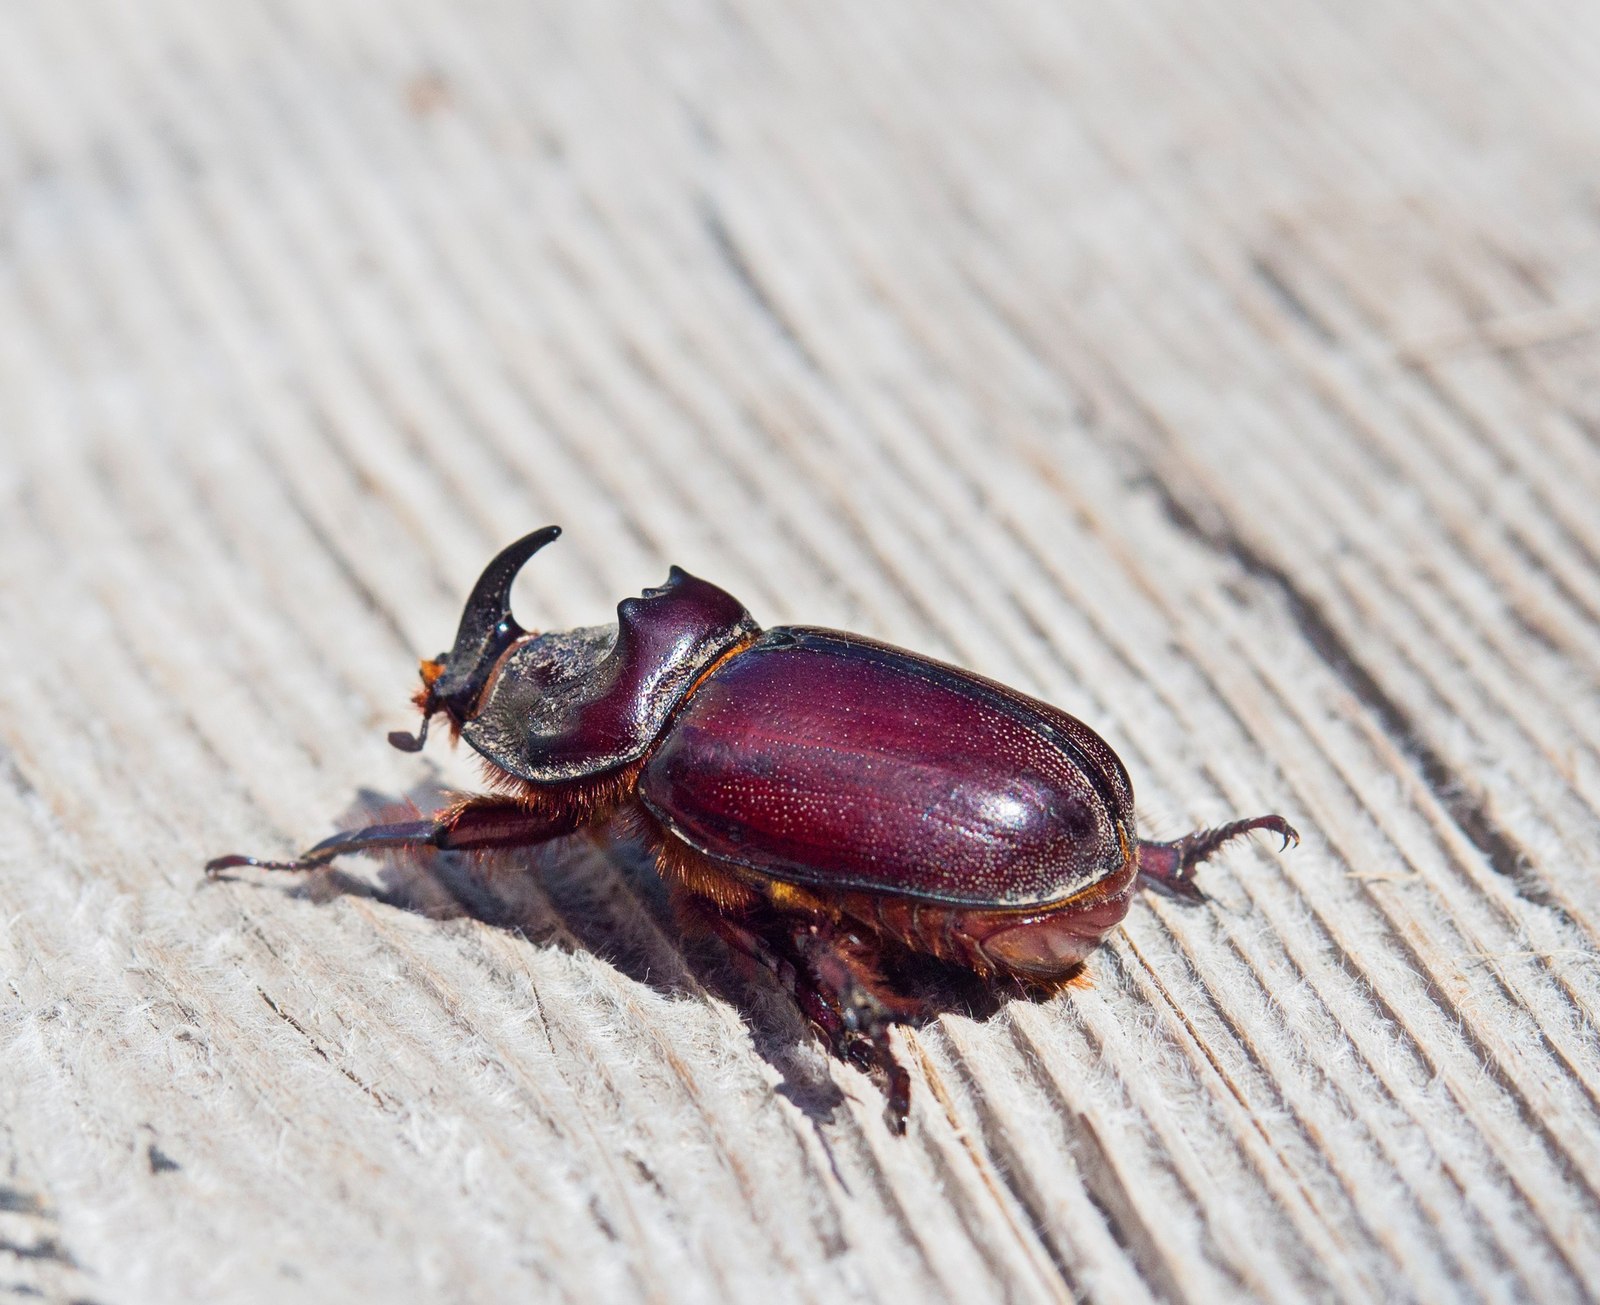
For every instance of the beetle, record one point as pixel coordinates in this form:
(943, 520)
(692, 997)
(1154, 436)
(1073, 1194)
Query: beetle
(827, 805)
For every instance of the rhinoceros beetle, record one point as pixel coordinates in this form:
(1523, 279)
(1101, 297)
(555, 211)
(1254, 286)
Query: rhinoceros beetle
(824, 803)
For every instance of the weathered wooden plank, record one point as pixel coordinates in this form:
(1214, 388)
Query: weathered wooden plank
(1226, 376)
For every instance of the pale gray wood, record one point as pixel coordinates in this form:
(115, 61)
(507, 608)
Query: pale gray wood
(1226, 374)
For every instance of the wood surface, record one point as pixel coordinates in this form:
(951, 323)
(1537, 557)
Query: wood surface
(1227, 374)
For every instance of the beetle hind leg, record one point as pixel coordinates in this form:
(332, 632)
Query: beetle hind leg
(1169, 867)
(834, 979)
(841, 997)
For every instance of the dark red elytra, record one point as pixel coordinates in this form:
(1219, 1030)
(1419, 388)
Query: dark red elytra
(826, 804)
(835, 762)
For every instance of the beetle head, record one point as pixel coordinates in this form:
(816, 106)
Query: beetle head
(562, 705)
(453, 681)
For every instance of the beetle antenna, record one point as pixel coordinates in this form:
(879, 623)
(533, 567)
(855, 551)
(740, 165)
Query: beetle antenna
(406, 741)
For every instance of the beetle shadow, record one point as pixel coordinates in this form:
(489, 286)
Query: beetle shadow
(601, 894)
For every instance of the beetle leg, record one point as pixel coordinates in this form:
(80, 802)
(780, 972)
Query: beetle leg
(840, 997)
(833, 984)
(746, 944)
(1169, 867)
(472, 824)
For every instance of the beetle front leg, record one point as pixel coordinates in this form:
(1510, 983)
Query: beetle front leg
(470, 825)
(1169, 867)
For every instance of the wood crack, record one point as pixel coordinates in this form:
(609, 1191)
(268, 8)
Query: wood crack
(1447, 785)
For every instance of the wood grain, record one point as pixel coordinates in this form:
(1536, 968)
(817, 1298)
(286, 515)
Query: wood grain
(1224, 374)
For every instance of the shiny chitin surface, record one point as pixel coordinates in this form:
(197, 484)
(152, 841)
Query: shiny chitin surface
(568, 706)
(830, 760)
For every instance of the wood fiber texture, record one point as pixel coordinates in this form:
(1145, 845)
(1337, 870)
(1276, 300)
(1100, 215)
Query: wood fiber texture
(1228, 375)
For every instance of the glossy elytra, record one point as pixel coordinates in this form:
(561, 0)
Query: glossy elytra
(824, 803)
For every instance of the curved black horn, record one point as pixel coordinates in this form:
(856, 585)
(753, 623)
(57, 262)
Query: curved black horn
(487, 629)
(486, 619)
